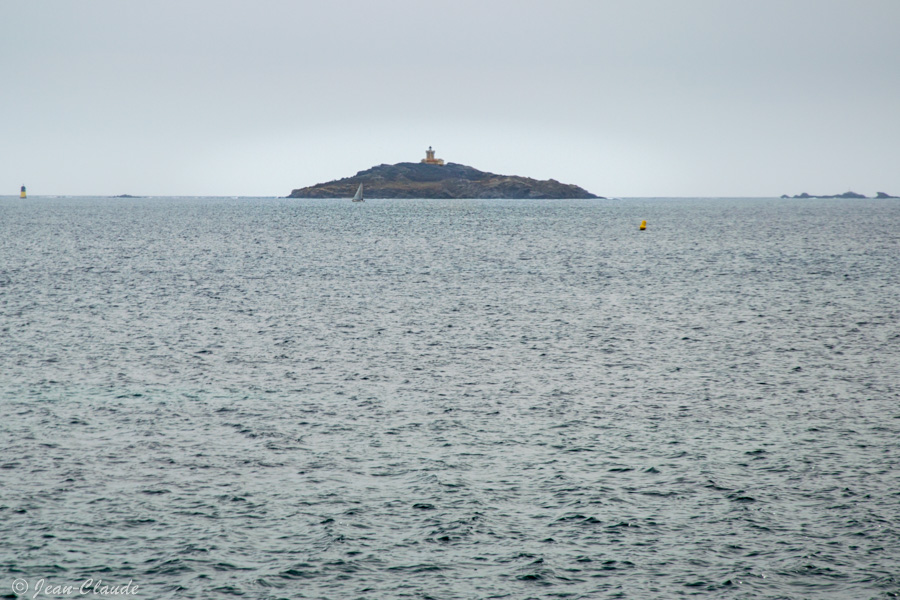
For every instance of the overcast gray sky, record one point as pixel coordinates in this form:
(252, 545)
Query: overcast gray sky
(622, 97)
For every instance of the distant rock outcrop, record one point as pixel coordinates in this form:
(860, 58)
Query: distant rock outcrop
(452, 180)
(844, 195)
(883, 195)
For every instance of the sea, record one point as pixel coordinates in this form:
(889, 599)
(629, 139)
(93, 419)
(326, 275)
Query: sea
(449, 399)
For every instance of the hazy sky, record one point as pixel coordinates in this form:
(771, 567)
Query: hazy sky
(624, 97)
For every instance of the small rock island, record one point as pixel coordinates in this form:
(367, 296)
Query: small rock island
(849, 195)
(431, 178)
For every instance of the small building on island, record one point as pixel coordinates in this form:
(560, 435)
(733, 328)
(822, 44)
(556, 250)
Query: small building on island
(430, 159)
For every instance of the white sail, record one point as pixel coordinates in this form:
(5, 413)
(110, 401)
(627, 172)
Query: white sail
(359, 194)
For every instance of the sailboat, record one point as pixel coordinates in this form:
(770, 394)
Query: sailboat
(359, 194)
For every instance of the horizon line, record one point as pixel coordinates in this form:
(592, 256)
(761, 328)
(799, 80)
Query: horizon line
(250, 196)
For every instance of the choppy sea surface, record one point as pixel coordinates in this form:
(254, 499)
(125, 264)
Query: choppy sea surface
(273, 398)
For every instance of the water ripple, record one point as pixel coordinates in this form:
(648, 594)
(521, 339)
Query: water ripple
(438, 399)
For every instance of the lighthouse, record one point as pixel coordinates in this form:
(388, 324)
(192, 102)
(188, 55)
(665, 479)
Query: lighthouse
(22, 193)
(430, 159)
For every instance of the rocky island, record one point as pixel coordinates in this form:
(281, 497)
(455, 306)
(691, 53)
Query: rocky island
(432, 178)
(851, 195)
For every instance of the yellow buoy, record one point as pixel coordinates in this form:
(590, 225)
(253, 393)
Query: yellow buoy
(643, 225)
(22, 193)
